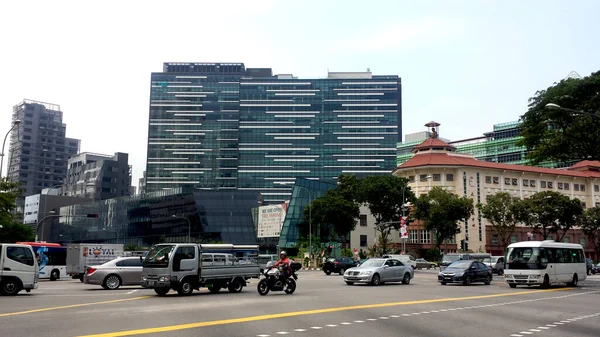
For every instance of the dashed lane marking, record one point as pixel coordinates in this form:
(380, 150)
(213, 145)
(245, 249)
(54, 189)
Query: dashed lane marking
(555, 324)
(33, 311)
(178, 327)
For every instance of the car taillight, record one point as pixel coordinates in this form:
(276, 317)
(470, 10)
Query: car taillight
(335, 262)
(91, 270)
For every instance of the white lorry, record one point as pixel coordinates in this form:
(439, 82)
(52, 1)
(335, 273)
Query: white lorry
(80, 255)
(185, 267)
(18, 269)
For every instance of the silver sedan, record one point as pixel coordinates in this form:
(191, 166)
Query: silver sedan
(122, 271)
(378, 271)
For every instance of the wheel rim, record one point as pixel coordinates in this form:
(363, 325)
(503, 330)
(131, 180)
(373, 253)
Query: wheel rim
(291, 286)
(489, 279)
(468, 280)
(112, 282)
(186, 287)
(406, 278)
(263, 287)
(10, 287)
(376, 279)
(237, 286)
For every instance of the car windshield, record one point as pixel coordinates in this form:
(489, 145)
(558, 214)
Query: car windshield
(460, 264)
(450, 258)
(372, 263)
(158, 256)
(527, 258)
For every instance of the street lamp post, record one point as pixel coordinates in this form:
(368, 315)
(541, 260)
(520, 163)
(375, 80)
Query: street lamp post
(41, 224)
(189, 225)
(15, 123)
(553, 106)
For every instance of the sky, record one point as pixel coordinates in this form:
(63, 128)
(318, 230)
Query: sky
(465, 64)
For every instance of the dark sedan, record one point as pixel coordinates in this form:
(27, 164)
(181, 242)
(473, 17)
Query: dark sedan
(338, 265)
(466, 272)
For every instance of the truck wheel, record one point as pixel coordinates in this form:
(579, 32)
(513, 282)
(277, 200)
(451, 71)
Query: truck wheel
(214, 289)
(161, 291)
(236, 286)
(54, 275)
(263, 287)
(185, 288)
(10, 287)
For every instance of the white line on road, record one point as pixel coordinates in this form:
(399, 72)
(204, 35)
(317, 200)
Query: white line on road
(283, 333)
(345, 323)
(526, 332)
(131, 292)
(331, 325)
(543, 327)
(300, 330)
(515, 335)
(359, 321)
(371, 319)
(316, 327)
(263, 335)
(535, 330)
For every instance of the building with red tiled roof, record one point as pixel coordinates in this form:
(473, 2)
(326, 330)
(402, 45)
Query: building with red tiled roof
(436, 163)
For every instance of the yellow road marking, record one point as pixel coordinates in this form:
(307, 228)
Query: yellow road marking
(69, 306)
(303, 313)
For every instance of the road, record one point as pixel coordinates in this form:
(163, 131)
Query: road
(322, 306)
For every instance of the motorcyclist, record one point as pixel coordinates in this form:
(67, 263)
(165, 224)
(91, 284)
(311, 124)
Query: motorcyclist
(284, 263)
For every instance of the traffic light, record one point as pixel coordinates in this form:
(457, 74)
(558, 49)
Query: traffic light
(92, 215)
(466, 246)
(462, 245)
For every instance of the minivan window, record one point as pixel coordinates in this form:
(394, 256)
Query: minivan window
(20, 254)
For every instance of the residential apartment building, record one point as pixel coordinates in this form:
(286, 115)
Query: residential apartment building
(98, 176)
(39, 148)
(437, 163)
(224, 126)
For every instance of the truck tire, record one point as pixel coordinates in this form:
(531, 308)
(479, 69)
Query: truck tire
(54, 275)
(185, 287)
(10, 286)
(236, 286)
(161, 291)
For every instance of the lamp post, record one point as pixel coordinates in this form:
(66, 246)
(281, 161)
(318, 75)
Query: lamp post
(309, 220)
(15, 123)
(553, 106)
(189, 225)
(41, 224)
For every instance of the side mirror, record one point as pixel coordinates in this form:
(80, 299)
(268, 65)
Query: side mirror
(386, 266)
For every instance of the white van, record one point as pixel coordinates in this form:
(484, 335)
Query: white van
(406, 259)
(18, 269)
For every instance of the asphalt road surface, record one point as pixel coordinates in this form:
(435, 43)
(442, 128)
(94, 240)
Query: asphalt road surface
(321, 306)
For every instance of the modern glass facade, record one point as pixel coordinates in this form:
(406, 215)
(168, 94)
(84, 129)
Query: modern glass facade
(303, 191)
(316, 129)
(222, 126)
(162, 217)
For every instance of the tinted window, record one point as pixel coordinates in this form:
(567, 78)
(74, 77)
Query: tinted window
(20, 254)
(397, 263)
(131, 263)
(389, 263)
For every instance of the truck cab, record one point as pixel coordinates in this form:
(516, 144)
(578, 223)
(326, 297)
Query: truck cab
(185, 267)
(18, 269)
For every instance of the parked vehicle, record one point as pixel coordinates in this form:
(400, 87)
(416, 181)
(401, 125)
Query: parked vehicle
(497, 264)
(379, 271)
(404, 258)
(18, 269)
(465, 272)
(596, 269)
(422, 263)
(122, 271)
(338, 265)
(51, 259)
(274, 281)
(185, 267)
(545, 263)
(80, 255)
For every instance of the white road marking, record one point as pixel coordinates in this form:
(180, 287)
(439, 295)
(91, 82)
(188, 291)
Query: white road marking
(405, 315)
(543, 327)
(394, 316)
(526, 332)
(551, 325)
(383, 317)
(283, 333)
(371, 319)
(559, 323)
(263, 335)
(425, 312)
(300, 330)
(345, 323)
(515, 335)
(535, 330)
(359, 321)
(331, 325)
(316, 327)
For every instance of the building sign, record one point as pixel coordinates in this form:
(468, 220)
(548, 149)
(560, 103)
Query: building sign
(270, 220)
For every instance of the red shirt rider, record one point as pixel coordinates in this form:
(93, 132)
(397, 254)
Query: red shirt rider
(283, 262)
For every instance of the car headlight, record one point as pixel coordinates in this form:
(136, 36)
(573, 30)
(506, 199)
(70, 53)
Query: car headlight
(368, 272)
(163, 279)
(144, 278)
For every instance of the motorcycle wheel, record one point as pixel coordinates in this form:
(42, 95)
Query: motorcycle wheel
(263, 287)
(290, 286)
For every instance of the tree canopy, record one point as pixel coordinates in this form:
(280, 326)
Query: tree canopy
(591, 227)
(550, 212)
(559, 135)
(11, 230)
(441, 211)
(502, 211)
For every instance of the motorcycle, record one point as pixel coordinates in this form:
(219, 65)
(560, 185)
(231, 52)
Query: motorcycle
(274, 281)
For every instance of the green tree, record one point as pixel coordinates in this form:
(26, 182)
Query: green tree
(551, 212)
(11, 230)
(335, 210)
(440, 212)
(385, 197)
(502, 211)
(591, 227)
(559, 135)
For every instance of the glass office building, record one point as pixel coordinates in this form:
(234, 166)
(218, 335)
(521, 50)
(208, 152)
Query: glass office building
(163, 216)
(224, 126)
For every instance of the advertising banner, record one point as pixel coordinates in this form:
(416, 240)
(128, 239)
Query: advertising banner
(270, 220)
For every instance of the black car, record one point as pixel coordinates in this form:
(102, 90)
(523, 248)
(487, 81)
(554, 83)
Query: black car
(466, 272)
(338, 265)
(596, 269)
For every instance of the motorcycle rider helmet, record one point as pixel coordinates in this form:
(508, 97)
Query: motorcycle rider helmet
(283, 253)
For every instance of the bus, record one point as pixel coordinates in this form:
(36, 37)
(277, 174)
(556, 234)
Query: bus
(51, 259)
(544, 263)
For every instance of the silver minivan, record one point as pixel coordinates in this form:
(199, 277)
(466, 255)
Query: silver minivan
(497, 264)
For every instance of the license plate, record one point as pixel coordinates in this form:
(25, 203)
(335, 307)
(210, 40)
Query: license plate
(151, 283)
